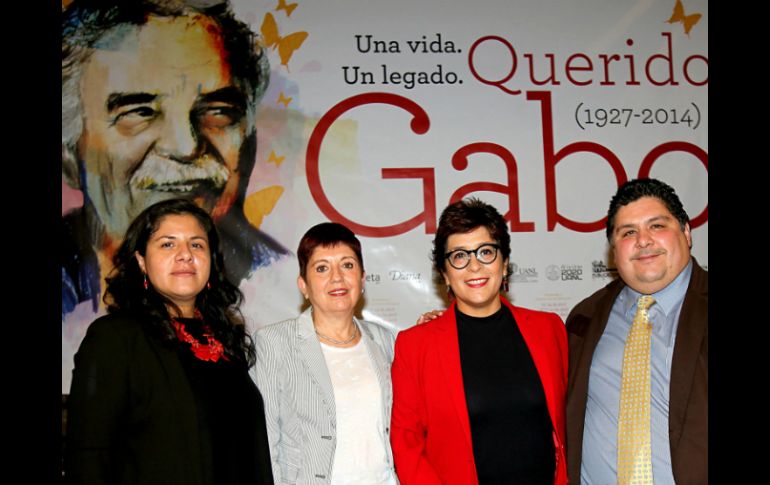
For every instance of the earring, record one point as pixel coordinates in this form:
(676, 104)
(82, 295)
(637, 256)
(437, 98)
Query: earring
(505, 283)
(146, 285)
(208, 285)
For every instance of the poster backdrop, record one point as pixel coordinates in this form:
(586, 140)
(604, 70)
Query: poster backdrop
(378, 114)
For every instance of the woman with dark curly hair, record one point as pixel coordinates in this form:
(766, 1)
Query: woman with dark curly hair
(478, 393)
(161, 391)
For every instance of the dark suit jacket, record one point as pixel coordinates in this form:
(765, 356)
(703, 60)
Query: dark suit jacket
(132, 414)
(430, 428)
(688, 396)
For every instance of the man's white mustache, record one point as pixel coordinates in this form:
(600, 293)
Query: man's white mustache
(167, 175)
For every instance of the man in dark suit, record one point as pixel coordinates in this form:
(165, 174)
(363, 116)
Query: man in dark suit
(649, 233)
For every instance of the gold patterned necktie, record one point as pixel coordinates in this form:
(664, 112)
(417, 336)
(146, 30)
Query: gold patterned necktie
(634, 450)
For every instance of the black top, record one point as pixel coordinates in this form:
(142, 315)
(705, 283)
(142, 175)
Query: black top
(143, 411)
(227, 403)
(511, 429)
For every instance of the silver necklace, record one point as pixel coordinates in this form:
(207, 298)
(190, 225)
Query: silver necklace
(340, 342)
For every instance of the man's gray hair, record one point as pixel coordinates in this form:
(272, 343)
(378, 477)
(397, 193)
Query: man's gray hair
(90, 24)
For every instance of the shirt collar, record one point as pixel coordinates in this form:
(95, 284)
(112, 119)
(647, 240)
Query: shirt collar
(666, 299)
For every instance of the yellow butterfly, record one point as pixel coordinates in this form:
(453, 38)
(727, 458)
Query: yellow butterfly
(688, 21)
(283, 6)
(261, 203)
(285, 45)
(275, 158)
(283, 100)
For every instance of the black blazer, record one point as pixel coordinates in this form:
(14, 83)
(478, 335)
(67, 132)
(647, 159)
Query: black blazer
(132, 415)
(688, 396)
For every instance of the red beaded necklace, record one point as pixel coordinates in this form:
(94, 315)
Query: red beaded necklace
(212, 350)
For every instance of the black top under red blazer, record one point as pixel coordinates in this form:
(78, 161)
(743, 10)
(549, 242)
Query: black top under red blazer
(430, 427)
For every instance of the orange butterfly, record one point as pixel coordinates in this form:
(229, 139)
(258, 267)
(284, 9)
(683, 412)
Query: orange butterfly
(283, 100)
(688, 21)
(261, 203)
(286, 45)
(275, 158)
(283, 6)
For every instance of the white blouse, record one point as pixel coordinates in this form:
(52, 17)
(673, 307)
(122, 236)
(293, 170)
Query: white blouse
(360, 457)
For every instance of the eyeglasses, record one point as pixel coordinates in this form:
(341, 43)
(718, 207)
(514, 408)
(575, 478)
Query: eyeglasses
(460, 258)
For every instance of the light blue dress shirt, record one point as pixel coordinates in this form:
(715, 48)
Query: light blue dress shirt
(599, 465)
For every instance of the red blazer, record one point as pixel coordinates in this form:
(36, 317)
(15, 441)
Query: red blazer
(430, 429)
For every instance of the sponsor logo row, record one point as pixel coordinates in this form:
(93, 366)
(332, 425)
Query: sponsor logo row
(520, 273)
(563, 272)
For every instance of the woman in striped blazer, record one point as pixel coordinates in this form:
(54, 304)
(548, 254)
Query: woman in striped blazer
(325, 375)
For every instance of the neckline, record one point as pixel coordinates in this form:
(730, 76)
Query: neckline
(211, 351)
(342, 349)
(494, 317)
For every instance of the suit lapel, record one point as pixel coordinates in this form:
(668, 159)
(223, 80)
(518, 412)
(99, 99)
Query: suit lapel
(691, 330)
(449, 356)
(583, 334)
(310, 352)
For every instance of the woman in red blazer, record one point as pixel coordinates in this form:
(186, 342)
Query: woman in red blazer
(478, 393)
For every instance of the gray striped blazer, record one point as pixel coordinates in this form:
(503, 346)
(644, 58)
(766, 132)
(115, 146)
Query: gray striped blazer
(291, 373)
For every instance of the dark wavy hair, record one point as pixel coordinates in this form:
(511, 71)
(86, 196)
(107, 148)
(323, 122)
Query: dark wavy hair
(326, 234)
(465, 216)
(219, 305)
(634, 190)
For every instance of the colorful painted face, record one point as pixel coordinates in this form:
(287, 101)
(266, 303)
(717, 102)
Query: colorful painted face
(476, 287)
(333, 281)
(650, 246)
(177, 261)
(162, 119)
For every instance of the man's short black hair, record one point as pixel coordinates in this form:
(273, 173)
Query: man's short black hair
(634, 190)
